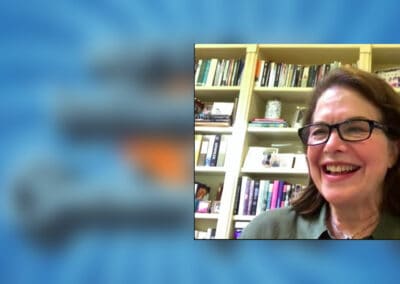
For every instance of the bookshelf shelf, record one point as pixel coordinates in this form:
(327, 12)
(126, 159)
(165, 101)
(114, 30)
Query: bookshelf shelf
(283, 132)
(212, 130)
(243, 217)
(210, 170)
(251, 103)
(207, 216)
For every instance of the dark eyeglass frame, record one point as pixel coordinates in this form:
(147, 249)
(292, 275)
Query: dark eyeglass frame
(372, 124)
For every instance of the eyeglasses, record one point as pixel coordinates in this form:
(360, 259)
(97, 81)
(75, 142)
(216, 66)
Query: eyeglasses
(351, 130)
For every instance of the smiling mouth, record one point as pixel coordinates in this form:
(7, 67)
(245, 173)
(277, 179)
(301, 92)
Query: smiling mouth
(339, 169)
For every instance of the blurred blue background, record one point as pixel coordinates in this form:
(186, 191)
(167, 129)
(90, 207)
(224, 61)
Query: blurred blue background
(96, 116)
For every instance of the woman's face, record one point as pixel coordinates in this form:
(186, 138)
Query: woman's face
(349, 172)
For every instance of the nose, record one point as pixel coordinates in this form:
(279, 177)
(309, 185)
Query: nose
(334, 143)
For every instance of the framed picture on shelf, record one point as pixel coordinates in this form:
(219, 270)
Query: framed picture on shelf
(259, 157)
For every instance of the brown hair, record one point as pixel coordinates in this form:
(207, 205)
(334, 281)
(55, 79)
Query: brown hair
(387, 101)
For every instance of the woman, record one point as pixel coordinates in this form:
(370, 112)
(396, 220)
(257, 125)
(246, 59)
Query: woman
(352, 143)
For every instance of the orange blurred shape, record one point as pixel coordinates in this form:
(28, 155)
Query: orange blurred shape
(163, 159)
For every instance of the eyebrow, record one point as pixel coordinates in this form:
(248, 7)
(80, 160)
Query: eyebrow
(350, 118)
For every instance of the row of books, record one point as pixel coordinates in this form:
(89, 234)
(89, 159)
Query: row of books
(391, 76)
(210, 149)
(268, 122)
(259, 157)
(254, 196)
(214, 113)
(273, 74)
(218, 72)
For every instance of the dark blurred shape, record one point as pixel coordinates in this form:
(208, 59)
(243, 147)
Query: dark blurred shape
(51, 204)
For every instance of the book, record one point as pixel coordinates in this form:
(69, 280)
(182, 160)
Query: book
(215, 149)
(249, 198)
(258, 72)
(255, 197)
(279, 194)
(266, 196)
(211, 71)
(244, 191)
(197, 73)
(275, 192)
(237, 196)
(211, 138)
(222, 150)
(203, 151)
(197, 145)
(261, 197)
(270, 191)
(271, 79)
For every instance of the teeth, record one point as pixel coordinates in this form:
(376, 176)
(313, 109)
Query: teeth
(340, 169)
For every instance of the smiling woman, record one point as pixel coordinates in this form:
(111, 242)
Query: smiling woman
(351, 135)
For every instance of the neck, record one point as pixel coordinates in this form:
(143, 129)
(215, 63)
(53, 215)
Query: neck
(352, 224)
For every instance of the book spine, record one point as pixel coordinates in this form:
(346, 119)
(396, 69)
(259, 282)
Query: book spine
(211, 139)
(214, 155)
(280, 192)
(270, 193)
(275, 191)
(237, 196)
(249, 201)
(240, 72)
(264, 73)
(211, 71)
(197, 145)
(197, 73)
(266, 196)
(278, 74)
(222, 150)
(203, 151)
(271, 78)
(257, 75)
(255, 197)
(261, 197)
(244, 190)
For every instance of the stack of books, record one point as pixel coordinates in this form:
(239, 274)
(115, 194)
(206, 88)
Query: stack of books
(268, 122)
(215, 114)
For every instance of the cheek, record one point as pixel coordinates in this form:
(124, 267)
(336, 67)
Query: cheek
(313, 157)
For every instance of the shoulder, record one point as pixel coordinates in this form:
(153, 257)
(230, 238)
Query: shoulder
(275, 224)
(285, 223)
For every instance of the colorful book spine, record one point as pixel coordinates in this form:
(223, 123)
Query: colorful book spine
(275, 191)
(249, 200)
(256, 193)
(214, 154)
(244, 190)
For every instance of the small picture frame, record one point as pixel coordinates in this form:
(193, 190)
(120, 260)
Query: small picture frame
(269, 154)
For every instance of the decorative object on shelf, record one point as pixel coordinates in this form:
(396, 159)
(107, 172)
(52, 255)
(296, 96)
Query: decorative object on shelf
(273, 109)
(298, 119)
(259, 157)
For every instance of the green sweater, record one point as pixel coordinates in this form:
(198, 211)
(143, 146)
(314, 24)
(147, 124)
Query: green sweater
(285, 223)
